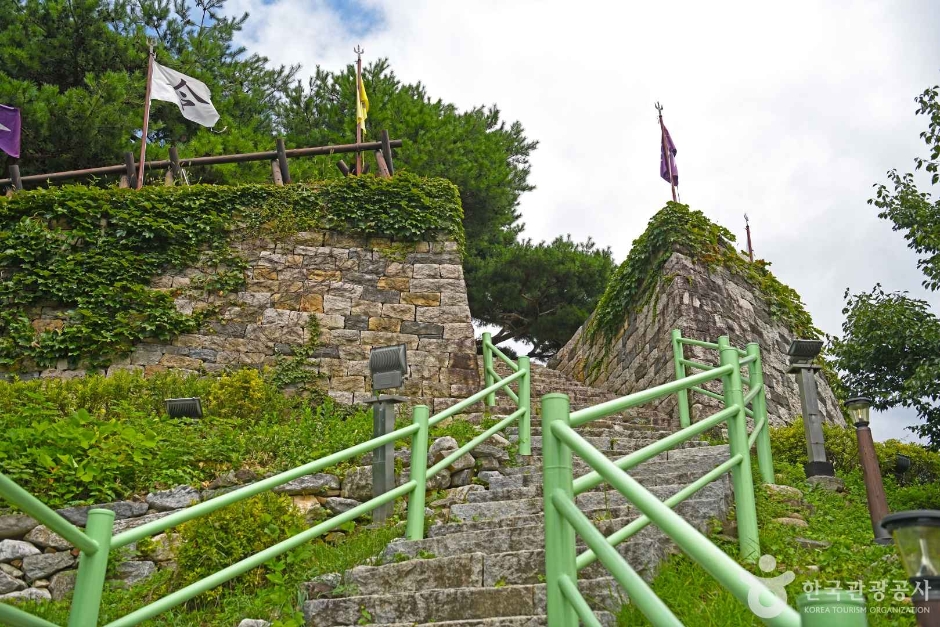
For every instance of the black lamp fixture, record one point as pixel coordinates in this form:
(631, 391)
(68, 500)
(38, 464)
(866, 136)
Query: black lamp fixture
(902, 464)
(917, 539)
(184, 407)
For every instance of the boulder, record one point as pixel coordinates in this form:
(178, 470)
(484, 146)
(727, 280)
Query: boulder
(791, 522)
(162, 548)
(463, 462)
(177, 498)
(10, 584)
(783, 491)
(487, 464)
(806, 543)
(439, 481)
(134, 572)
(497, 440)
(339, 505)
(16, 525)
(488, 450)
(45, 538)
(441, 448)
(254, 622)
(486, 475)
(461, 478)
(62, 584)
(11, 570)
(319, 484)
(45, 565)
(122, 509)
(29, 594)
(16, 550)
(357, 484)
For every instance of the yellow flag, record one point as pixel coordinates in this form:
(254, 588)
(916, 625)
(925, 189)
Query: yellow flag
(362, 107)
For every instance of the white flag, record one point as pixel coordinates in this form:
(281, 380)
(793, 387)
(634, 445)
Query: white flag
(189, 94)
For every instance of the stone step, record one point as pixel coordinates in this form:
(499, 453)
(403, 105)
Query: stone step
(606, 619)
(458, 604)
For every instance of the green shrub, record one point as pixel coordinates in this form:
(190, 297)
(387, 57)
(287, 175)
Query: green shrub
(240, 394)
(789, 446)
(224, 537)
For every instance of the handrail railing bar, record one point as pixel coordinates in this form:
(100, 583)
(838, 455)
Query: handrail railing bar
(29, 504)
(588, 481)
(509, 362)
(15, 617)
(755, 433)
(496, 377)
(476, 398)
(691, 342)
(181, 596)
(638, 590)
(697, 365)
(752, 394)
(638, 524)
(583, 416)
(570, 591)
(466, 448)
(716, 562)
(746, 360)
(512, 395)
(708, 393)
(748, 412)
(206, 507)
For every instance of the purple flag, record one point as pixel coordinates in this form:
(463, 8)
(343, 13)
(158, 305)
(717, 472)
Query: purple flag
(10, 130)
(667, 161)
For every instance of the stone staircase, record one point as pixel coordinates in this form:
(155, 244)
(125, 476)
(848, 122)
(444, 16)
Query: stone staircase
(485, 565)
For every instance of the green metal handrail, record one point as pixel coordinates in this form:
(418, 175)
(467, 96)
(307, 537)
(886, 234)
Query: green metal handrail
(97, 541)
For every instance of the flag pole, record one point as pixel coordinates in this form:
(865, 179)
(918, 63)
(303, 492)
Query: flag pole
(358, 50)
(665, 148)
(750, 249)
(143, 136)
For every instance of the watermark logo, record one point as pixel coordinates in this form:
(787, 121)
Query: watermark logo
(777, 585)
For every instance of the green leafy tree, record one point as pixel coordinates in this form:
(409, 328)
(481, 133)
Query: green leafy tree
(541, 293)
(77, 69)
(890, 347)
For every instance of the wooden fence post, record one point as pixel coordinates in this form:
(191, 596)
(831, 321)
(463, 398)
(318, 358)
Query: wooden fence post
(387, 153)
(131, 171)
(282, 161)
(276, 173)
(15, 177)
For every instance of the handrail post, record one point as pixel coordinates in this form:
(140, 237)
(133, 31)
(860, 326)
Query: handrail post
(89, 583)
(678, 354)
(557, 477)
(765, 460)
(741, 479)
(419, 471)
(488, 380)
(525, 402)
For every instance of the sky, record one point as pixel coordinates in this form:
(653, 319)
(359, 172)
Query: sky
(788, 112)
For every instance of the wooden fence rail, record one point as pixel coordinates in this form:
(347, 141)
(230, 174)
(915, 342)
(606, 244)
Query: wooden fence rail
(174, 165)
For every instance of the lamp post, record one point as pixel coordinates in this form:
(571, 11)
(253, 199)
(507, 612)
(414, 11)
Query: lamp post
(859, 408)
(917, 539)
(802, 355)
(388, 366)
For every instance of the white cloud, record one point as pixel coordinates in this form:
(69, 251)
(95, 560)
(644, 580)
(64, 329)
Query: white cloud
(788, 112)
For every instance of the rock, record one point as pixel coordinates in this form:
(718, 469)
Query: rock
(246, 475)
(833, 484)
(45, 538)
(339, 505)
(134, 572)
(122, 509)
(16, 550)
(439, 481)
(497, 440)
(357, 484)
(16, 525)
(322, 586)
(225, 480)
(462, 478)
(45, 565)
(462, 463)
(812, 544)
(488, 450)
(792, 522)
(177, 498)
(783, 491)
(62, 584)
(10, 584)
(796, 515)
(457, 495)
(29, 594)
(162, 548)
(41, 583)
(319, 484)
(441, 448)
(487, 464)
(486, 475)
(254, 622)
(11, 571)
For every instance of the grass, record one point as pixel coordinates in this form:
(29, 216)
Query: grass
(839, 518)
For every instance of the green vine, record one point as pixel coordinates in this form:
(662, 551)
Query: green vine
(676, 228)
(91, 254)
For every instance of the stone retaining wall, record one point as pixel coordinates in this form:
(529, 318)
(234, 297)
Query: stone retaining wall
(348, 294)
(704, 304)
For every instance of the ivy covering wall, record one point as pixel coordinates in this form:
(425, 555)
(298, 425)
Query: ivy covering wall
(93, 253)
(676, 228)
